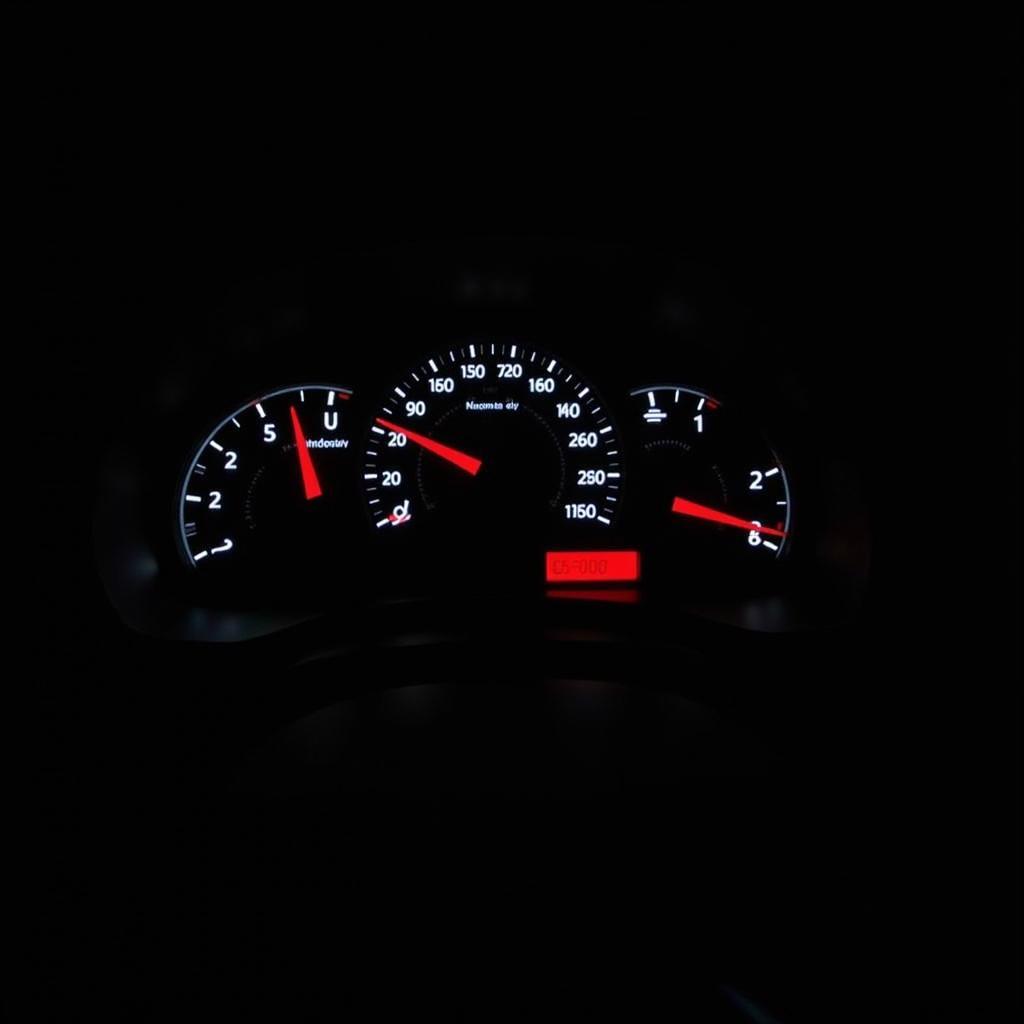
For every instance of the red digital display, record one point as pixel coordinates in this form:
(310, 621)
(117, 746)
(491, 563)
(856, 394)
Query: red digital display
(596, 566)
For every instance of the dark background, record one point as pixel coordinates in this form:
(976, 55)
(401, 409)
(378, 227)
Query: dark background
(853, 180)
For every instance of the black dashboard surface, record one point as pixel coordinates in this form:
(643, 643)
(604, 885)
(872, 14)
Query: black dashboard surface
(384, 782)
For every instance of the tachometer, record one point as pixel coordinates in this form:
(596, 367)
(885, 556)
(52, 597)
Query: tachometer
(493, 436)
(707, 482)
(269, 480)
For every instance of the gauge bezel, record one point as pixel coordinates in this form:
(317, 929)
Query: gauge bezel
(186, 474)
(736, 409)
(495, 348)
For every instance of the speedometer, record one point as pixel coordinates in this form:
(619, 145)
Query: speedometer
(493, 436)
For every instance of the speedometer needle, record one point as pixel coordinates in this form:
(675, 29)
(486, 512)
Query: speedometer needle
(310, 483)
(452, 455)
(683, 507)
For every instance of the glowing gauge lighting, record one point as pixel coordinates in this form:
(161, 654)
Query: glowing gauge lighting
(707, 482)
(268, 480)
(493, 437)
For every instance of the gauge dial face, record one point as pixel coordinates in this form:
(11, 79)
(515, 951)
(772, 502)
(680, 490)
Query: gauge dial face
(493, 439)
(709, 484)
(266, 485)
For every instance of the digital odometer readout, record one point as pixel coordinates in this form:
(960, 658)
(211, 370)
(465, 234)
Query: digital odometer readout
(592, 566)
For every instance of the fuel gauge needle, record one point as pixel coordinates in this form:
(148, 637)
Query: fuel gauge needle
(310, 482)
(465, 462)
(683, 507)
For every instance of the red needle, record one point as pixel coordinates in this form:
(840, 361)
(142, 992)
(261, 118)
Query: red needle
(690, 508)
(309, 477)
(456, 458)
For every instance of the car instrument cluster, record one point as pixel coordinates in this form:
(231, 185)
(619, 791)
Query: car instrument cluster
(427, 456)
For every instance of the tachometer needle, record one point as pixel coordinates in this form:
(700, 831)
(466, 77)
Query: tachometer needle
(683, 507)
(310, 483)
(455, 457)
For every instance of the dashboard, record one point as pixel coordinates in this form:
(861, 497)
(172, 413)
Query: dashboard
(555, 536)
(517, 517)
(492, 434)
